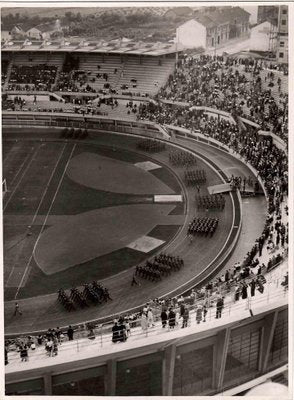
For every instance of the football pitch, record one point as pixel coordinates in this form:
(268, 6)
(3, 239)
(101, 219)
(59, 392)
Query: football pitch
(73, 212)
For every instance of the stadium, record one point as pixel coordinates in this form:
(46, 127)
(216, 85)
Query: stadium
(145, 219)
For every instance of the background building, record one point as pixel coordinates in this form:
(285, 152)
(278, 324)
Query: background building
(179, 12)
(268, 13)
(211, 27)
(263, 37)
(282, 36)
(45, 31)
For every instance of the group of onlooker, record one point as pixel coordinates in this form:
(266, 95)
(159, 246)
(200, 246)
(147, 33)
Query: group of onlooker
(224, 83)
(50, 340)
(32, 77)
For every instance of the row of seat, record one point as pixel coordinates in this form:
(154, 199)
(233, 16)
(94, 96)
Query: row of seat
(123, 73)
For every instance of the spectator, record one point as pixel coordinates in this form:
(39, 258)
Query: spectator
(198, 313)
(40, 339)
(144, 320)
(171, 318)
(252, 287)
(24, 353)
(219, 307)
(150, 317)
(6, 354)
(128, 327)
(55, 347)
(115, 332)
(49, 346)
(70, 333)
(164, 318)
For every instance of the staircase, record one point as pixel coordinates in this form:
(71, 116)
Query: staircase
(8, 72)
(59, 69)
(57, 97)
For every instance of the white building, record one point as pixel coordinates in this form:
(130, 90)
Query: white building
(45, 31)
(34, 33)
(6, 35)
(191, 34)
(211, 28)
(263, 37)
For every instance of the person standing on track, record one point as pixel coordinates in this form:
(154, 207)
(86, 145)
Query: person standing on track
(17, 310)
(190, 237)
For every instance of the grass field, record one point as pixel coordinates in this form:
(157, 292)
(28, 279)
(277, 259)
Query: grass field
(40, 191)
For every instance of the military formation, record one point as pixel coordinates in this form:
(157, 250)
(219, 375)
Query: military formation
(211, 202)
(76, 298)
(203, 226)
(162, 265)
(71, 133)
(195, 177)
(151, 145)
(180, 158)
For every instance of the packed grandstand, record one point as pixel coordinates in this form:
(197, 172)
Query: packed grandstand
(238, 103)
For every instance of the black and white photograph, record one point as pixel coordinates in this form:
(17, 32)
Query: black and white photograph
(146, 199)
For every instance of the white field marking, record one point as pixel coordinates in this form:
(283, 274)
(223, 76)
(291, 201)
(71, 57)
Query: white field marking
(145, 244)
(20, 168)
(47, 186)
(44, 223)
(23, 174)
(166, 198)
(147, 165)
(187, 216)
(37, 210)
(11, 151)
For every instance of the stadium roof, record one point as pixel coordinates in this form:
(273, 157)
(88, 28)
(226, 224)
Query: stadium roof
(118, 46)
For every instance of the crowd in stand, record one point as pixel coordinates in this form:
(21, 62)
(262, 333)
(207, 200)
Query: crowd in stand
(260, 151)
(131, 107)
(231, 84)
(241, 183)
(203, 226)
(32, 77)
(218, 82)
(92, 293)
(252, 64)
(211, 202)
(4, 67)
(74, 81)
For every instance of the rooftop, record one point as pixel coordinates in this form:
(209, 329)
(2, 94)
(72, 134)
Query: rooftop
(119, 46)
(218, 16)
